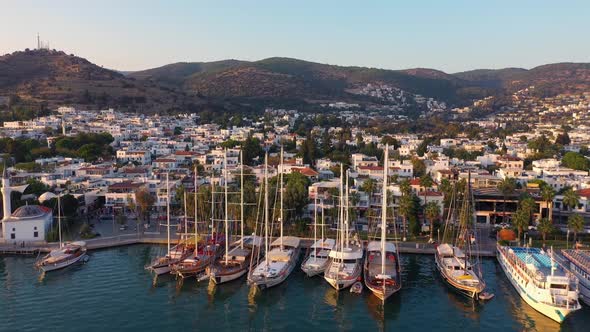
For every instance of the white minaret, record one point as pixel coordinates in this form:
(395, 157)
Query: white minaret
(63, 127)
(6, 205)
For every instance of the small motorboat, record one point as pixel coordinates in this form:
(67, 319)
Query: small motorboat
(486, 296)
(357, 288)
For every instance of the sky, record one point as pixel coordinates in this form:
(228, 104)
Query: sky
(447, 35)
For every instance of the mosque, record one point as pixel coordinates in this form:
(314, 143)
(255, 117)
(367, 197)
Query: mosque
(27, 223)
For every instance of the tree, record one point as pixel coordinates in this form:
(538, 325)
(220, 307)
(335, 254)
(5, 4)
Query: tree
(547, 194)
(369, 186)
(144, 202)
(419, 166)
(296, 195)
(406, 205)
(576, 161)
(563, 139)
(571, 199)
(507, 187)
(575, 223)
(36, 187)
(528, 205)
(426, 182)
(432, 213)
(520, 221)
(251, 150)
(545, 227)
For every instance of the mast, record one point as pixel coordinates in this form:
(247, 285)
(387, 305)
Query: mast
(315, 223)
(185, 217)
(196, 219)
(384, 210)
(281, 188)
(346, 211)
(226, 209)
(213, 212)
(341, 221)
(59, 219)
(168, 212)
(323, 219)
(266, 208)
(241, 200)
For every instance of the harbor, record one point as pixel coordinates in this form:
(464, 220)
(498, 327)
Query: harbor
(113, 289)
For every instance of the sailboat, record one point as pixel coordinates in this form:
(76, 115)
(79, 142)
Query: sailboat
(456, 262)
(282, 255)
(204, 254)
(161, 265)
(236, 261)
(317, 260)
(65, 255)
(382, 265)
(345, 260)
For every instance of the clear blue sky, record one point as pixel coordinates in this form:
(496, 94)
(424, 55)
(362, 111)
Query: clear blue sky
(445, 34)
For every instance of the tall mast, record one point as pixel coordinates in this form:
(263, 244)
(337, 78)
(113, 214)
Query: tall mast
(196, 219)
(384, 210)
(241, 200)
(185, 218)
(168, 211)
(315, 223)
(346, 211)
(266, 208)
(213, 212)
(322, 219)
(59, 218)
(341, 221)
(281, 188)
(226, 208)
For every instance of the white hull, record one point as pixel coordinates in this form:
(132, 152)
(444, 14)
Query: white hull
(527, 292)
(61, 265)
(341, 284)
(164, 269)
(228, 277)
(265, 282)
(313, 269)
(584, 286)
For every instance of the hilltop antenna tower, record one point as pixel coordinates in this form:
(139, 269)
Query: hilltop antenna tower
(38, 42)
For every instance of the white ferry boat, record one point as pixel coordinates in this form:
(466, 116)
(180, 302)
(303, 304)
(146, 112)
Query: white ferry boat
(579, 261)
(540, 281)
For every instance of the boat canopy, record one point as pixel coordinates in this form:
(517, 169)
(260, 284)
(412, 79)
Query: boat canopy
(279, 255)
(351, 254)
(376, 246)
(325, 244)
(445, 249)
(250, 240)
(289, 241)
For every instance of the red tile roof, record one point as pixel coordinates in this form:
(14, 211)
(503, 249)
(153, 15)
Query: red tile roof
(584, 192)
(305, 171)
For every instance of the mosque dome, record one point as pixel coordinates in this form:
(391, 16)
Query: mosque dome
(30, 211)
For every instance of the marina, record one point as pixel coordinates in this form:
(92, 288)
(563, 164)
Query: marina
(114, 289)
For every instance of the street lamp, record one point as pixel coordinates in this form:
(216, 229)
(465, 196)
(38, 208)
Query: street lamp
(567, 239)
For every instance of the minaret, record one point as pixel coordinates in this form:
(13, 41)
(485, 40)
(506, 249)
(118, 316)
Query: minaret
(63, 127)
(6, 204)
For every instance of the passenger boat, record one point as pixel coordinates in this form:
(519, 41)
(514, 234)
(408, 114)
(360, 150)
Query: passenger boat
(458, 263)
(345, 260)
(579, 264)
(382, 262)
(282, 255)
(236, 261)
(163, 264)
(317, 259)
(540, 281)
(65, 255)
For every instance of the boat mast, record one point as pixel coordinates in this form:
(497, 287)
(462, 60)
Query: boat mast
(384, 211)
(168, 211)
(266, 208)
(347, 230)
(185, 218)
(281, 188)
(213, 238)
(241, 200)
(323, 219)
(59, 218)
(226, 209)
(315, 224)
(196, 219)
(341, 221)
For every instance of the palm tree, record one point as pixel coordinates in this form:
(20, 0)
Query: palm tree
(575, 223)
(571, 199)
(520, 220)
(406, 205)
(426, 182)
(432, 213)
(547, 194)
(528, 206)
(507, 187)
(545, 227)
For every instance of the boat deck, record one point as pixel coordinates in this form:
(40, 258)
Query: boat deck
(538, 258)
(579, 257)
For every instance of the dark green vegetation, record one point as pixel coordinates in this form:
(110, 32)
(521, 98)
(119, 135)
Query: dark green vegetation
(38, 79)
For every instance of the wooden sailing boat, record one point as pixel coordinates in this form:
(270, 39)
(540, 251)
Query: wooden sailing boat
(65, 255)
(317, 260)
(236, 261)
(163, 264)
(457, 263)
(382, 262)
(345, 260)
(205, 253)
(282, 255)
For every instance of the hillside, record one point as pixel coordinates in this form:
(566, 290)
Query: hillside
(56, 78)
(177, 73)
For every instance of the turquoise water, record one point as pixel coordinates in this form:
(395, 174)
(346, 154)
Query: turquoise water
(114, 292)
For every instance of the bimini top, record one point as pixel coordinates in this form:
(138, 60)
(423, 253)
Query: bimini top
(376, 246)
(30, 212)
(289, 241)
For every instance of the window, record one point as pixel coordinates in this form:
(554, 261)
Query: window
(35, 234)
(35, 228)
(12, 236)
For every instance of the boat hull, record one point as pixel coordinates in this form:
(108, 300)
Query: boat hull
(340, 284)
(227, 277)
(62, 265)
(470, 292)
(264, 282)
(555, 313)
